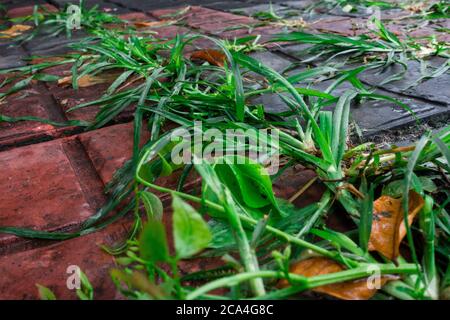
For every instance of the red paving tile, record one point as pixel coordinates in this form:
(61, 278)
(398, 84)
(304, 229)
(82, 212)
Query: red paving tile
(358, 26)
(134, 16)
(219, 21)
(26, 11)
(68, 97)
(47, 266)
(18, 106)
(169, 32)
(426, 31)
(109, 148)
(59, 70)
(40, 188)
(265, 32)
(35, 101)
(131, 18)
(179, 12)
(343, 26)
(207, 20)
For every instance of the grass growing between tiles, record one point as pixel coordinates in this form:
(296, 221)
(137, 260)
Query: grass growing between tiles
(255, 244)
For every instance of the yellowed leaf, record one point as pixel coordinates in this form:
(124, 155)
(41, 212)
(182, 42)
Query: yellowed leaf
(14, 31)
(388, 227)
(347, 290)
(88, 80)
(214, 57)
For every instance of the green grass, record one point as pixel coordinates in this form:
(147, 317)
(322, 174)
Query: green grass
(376, 53)
(234, 217)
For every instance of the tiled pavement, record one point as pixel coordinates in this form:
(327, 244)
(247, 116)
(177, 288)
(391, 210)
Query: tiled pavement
(53, 178)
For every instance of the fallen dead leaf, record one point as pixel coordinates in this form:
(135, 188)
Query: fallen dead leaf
(148, 24)
(388, 227)
(417, 7)
(294, 23)
(88, 80)
(14, 31)
(347, 290)
(214, 57)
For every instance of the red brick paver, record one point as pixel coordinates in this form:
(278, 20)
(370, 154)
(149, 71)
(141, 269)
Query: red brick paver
(18, 106)
(109, 148)
(67, 98)
(48, 266)
(340, 25)
(40, 188)
(204, 19)
(26, 11)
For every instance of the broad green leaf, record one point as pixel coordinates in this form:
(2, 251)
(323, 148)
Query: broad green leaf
(153, 205)
(254, 184)
(190, 231)
(153, 242)
(249, 183)
(166, 168)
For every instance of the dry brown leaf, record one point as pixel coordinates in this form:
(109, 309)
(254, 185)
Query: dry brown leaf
(417, 7)
(388, 227)
(148, 24)
(14, 31)
(291, 23)
(214, 57)
(347, 290)
(88, 80)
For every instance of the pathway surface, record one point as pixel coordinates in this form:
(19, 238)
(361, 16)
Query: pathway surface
(54, 178)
